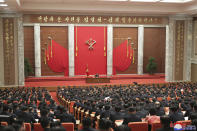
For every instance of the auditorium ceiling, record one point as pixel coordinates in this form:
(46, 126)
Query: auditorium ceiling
(104, 7)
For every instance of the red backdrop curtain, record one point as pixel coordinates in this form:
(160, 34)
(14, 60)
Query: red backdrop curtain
(122, 57)
(57, 58)
(96, 58)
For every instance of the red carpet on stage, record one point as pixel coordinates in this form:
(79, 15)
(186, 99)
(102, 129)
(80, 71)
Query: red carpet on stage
(80, 80)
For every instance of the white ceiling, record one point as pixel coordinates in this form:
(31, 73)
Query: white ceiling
(100, 7)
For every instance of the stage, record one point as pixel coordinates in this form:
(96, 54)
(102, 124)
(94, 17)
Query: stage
(55, 81)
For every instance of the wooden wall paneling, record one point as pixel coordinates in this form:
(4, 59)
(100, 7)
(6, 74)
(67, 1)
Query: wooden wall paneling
(29, 45)
(59, 35)
(154, 45)
(125, 32)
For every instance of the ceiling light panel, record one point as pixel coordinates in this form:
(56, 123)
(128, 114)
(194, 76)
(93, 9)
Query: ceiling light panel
(144, 0)
(3, 5)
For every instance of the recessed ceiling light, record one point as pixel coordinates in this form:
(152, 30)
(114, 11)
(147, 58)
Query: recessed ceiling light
(114, 0)
(3, 5)
(144, 0)
(167, 1)
(2, 0)
(175, 1)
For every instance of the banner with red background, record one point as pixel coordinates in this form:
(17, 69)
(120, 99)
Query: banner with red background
(95, 59)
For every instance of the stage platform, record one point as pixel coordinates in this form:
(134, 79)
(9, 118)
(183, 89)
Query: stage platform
(55, 81)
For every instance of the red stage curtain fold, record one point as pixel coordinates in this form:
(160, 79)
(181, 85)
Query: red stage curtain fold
(57, 59)
(121, 57)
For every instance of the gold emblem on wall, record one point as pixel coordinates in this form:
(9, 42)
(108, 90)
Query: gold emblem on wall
(90, 42)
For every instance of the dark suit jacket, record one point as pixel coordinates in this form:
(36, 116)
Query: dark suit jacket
(174, 117)
(67, 118)
(166, 129)
(116, 116)
(105, 114)
(88, 129)
(131, 118)
(26, 117)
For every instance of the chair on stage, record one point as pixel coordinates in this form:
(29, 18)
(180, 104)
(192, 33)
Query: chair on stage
(4, 123)
(38, 127)
(68, 126)
(138, 126)
(155, 126)
(27, 126)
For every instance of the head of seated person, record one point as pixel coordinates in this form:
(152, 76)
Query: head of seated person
(122, 128)
(44, 112)
(174, 108)
(193, 116)
(105, 124)
(107, 107)
(86, 122)
(45, 122)
(132, 110)
(194, 122)
(55, 124)
(152, 111)
(165, 121)
(117, 108)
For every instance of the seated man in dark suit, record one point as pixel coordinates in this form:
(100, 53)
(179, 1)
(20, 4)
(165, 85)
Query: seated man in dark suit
(106, 113)
(117, 115)
(86, 122)
(26, 116)
(131, 117)
(175, 115)
(65, 117)
(165, 122)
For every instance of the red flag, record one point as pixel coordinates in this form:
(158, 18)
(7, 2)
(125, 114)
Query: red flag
(58, 62)
(121, 61)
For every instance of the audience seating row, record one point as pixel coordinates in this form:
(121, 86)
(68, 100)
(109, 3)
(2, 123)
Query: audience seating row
(38, 127)
(136, 126)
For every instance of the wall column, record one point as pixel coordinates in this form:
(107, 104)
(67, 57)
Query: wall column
(1, 54)
(71, 50)
(140, 48)
(109, 50)
(170, 40)
(188, 49)
(168, 56)
(37, 50)
(21, 73)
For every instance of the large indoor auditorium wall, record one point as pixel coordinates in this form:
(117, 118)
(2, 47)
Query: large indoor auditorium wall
(120, 34)
(179, 49)
(194, 73)
(60, 36)
(154, 46)
(90, 50)
(10, 53)
(29, 45)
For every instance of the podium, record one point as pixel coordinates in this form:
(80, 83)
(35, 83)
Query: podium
(98, 80)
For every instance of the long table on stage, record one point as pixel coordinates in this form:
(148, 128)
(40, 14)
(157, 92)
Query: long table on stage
(98, 80)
